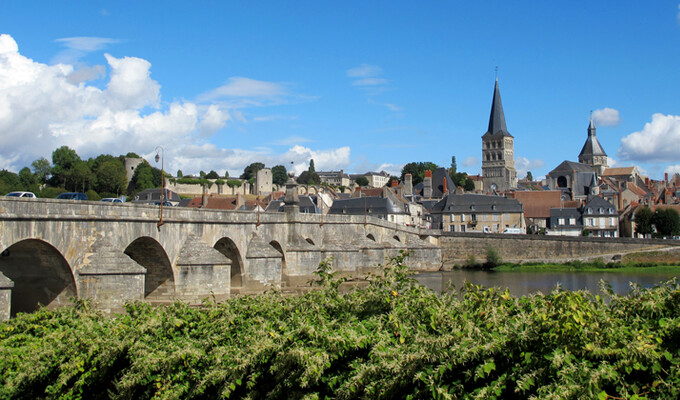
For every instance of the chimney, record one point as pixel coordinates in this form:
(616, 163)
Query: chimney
(445, 189)
(239, 201)
(665, 178)
(620, 198)
(357, 192)
(204, 200)
(408, 184)
(647, 182)
(427, 184)
(395, 183)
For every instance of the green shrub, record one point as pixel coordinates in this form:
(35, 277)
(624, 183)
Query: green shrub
(49, 192)
(493, 259)
(234, 183)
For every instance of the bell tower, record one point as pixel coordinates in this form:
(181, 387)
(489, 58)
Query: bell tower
(498, 150)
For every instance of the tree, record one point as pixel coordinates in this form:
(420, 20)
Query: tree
(666, 221)
(643, 220)
(361, 181)
(28, 180)
(212, 175)
(145, 177)
(530, 177)
(111, 178)
(179, 173)
(417, 170)
(41, 169)
(311, 166)
(279, 175)
(63, 160)
(461, 179)
(226, 174)
(79, 177)
(251, 170)
(308, 178)
(9, 182)
(454, 166)
(132, 155)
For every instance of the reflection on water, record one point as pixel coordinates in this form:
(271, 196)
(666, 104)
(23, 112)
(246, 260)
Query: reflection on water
(523, 283)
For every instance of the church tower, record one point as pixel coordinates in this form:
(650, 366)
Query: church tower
(498, 150)
(592, 152)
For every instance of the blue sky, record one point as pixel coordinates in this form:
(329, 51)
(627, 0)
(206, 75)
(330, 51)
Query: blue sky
(354, 85)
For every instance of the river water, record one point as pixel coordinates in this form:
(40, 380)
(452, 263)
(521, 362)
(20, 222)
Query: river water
(523, 283)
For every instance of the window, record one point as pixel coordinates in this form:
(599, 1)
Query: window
(495, 217)
(462, 228)
(560, 221)
(572, 221)
(452, 228)
(612, 221)
(453, 218)
(601, 210)
(484, 217)
(589, 210)
(506, 216)
(462, 217)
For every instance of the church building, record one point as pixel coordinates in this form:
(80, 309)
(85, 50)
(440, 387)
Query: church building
(498, 153)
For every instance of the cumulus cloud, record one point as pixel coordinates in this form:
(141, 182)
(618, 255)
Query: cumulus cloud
(523, 165)
(656, 142)
(672, 169)
(606, 117)
(471, 161)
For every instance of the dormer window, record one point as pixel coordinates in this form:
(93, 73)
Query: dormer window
(601, 210)
(611, 211)
(472, 207)
(493, 207)
(589, 210)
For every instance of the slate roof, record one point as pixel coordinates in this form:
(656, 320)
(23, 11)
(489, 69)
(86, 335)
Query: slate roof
(479, 203)
(623, 171)
(569, 167)
(592, 146)
(307, 205)
(369, 205)
(497, 118)
(595, 204)
(438, 176)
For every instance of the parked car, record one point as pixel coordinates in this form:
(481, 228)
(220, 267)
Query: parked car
(513, 231)
(165, 204)
(112, 200)
(21, 194)
(72, 196)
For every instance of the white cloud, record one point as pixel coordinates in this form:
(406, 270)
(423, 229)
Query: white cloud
(86, 74)
(606, 117)
(672, 169)
(78, 47)
(291, 140)
(324, 160)
(246, 87)
(363, 71)
(392, 169)
(656, 142)
(523, 165)
(369, 82)
(678, 14)
(471, 161)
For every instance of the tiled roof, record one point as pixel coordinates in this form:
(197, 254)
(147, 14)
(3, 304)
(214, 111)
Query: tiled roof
(618, 171)
(537, 204)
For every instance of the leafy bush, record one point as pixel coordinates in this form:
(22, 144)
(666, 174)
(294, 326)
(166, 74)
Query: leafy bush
(49, 192)
(391, 339)
(493, 259)
(234, 183)
(92, 195)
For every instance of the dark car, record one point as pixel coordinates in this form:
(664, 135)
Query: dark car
(72, 196)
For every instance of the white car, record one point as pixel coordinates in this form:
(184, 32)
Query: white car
(21, 194)
(112, 200)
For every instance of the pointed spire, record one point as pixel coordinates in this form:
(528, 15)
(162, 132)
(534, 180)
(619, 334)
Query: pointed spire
(592, 146)
(497, 117)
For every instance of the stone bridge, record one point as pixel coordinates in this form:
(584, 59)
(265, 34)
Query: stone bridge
(54, 250)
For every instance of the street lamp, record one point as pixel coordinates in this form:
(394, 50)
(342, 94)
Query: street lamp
(161, 157)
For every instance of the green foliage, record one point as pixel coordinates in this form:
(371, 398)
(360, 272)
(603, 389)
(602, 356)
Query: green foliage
(493, 259)
(212, 175)
(311, 166)
(111, 177)
(49, 192)
(308, 178)
(64, 159)
(219, 182)
(145, 177)
(643, 220)
(461, 179)
(279, 175)
(234, 183)
(41, 169)
(417, 170)
(179, 173)
(391, 339)
(361, 181)
(251, 170)
(530, 176)
(9, 182)
(93, 196)
(666, 221)
(471, 262)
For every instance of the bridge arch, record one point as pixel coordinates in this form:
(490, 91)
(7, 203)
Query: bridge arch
(41, 276)
(147, 252)
(230, 250)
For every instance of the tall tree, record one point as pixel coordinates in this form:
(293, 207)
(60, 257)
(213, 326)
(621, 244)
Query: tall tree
(9, 182)
(666, 221)
(80, 178)
(212, 175)
(63, 160)
(530, 177)
(454, 166)
(361, 181)
(417, 170)
(111, 177)
(311, 166)
(179, 173)
(643, 220)
(279, 175)
(41, 169)
(250, 171)
(28, 180)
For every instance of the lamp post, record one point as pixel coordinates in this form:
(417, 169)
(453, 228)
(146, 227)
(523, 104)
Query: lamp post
(161, 157)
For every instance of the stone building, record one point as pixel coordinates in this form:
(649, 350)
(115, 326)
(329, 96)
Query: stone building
(263, 182)
(592, 153)
(477, 213)
(498, 150)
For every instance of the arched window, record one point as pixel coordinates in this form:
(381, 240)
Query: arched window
(562, 182)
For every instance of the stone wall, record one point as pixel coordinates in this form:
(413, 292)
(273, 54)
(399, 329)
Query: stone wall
(457, 247)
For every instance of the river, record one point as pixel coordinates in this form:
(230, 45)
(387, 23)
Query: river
(523, 283)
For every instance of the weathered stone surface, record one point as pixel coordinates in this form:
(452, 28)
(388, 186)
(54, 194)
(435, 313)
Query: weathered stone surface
(6, 286)
(203, 272)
